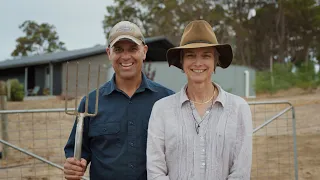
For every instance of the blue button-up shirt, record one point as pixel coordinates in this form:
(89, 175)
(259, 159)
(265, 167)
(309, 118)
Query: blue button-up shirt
(114, 141)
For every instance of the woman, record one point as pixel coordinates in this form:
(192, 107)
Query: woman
(201, 132)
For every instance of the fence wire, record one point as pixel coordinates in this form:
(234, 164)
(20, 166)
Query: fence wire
(273, 144)
(45, 132)
(41, 133)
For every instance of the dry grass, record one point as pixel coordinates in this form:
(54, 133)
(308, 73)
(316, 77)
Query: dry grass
(45, 134)
(271, 149)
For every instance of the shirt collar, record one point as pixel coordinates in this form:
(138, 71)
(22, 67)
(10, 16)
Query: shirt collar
(183, 95)
(221, 96)
(145, 84)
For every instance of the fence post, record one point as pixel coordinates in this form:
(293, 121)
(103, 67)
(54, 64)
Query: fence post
(295, 143)
(8, 90)
(4, 118)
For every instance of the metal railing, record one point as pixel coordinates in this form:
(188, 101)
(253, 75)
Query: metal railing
(274, 140)
(30, 129)
(30, 135)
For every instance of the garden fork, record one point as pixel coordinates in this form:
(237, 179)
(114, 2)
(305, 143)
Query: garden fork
(80, 115)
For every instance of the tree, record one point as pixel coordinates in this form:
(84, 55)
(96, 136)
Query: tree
(126, 10)
(280, 31)
(38, 39)
(304, 29)
(163, 17)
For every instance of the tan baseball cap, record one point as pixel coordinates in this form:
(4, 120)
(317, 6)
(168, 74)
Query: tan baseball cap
(125, 30)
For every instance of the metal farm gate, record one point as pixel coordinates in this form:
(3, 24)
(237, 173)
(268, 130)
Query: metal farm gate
(32, 141)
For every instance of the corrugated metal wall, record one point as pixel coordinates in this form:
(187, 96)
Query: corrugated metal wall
(231, 79)
(83, 74)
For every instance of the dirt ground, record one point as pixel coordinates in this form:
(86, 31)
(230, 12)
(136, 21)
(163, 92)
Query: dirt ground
(275, 161)
(45, 134)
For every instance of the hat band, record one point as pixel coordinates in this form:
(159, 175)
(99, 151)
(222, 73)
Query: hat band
(197, 41)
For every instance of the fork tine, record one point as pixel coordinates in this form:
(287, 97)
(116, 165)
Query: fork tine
(76, 98)
(97, 91)
(66, 93)
(75, 112)
(87, 96)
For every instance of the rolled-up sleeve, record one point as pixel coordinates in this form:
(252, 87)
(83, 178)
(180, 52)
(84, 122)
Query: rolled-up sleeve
(242, 152)
(156, 163)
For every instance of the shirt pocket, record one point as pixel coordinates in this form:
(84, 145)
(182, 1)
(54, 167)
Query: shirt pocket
(104, 129)
(105, 133)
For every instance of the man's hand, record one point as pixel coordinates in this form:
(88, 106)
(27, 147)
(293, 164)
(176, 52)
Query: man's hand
(74, 169)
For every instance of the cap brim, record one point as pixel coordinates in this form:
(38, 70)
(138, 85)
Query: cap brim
(126, 38)
(225, 51)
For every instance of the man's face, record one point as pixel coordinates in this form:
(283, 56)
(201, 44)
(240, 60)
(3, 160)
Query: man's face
(198, 64)
(127, 58)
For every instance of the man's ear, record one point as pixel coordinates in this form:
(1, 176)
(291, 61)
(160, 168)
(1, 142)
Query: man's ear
(108, 50)
(145, 50)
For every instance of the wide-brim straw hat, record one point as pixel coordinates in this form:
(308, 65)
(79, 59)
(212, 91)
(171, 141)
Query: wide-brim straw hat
(199, 34)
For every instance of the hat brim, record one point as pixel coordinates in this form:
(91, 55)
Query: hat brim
(125, 38)
(225, 51)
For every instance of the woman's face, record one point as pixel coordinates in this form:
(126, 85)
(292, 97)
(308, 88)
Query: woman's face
(198, 64)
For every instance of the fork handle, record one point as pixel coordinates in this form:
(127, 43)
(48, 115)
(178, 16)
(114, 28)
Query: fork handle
(78, 138)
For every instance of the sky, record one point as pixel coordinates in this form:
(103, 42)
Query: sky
(78, 22)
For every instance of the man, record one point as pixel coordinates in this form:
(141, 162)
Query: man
(114, 141)
(201, 132)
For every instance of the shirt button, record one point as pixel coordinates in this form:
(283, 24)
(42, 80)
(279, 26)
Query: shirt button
(131, 144)
(203, 164)
(130, 102)
(131, 123)
(203, 150)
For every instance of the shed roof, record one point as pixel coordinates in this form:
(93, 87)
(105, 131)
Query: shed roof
(63, 56)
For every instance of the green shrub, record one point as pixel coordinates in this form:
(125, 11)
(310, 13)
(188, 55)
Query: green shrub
(3, 88)
(307, 77)
(17, 90)
(263, 82)
(304, 77)
(283, 78)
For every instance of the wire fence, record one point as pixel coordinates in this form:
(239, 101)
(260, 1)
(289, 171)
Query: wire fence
(43, 134)
(40, 132)
(274, 141)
